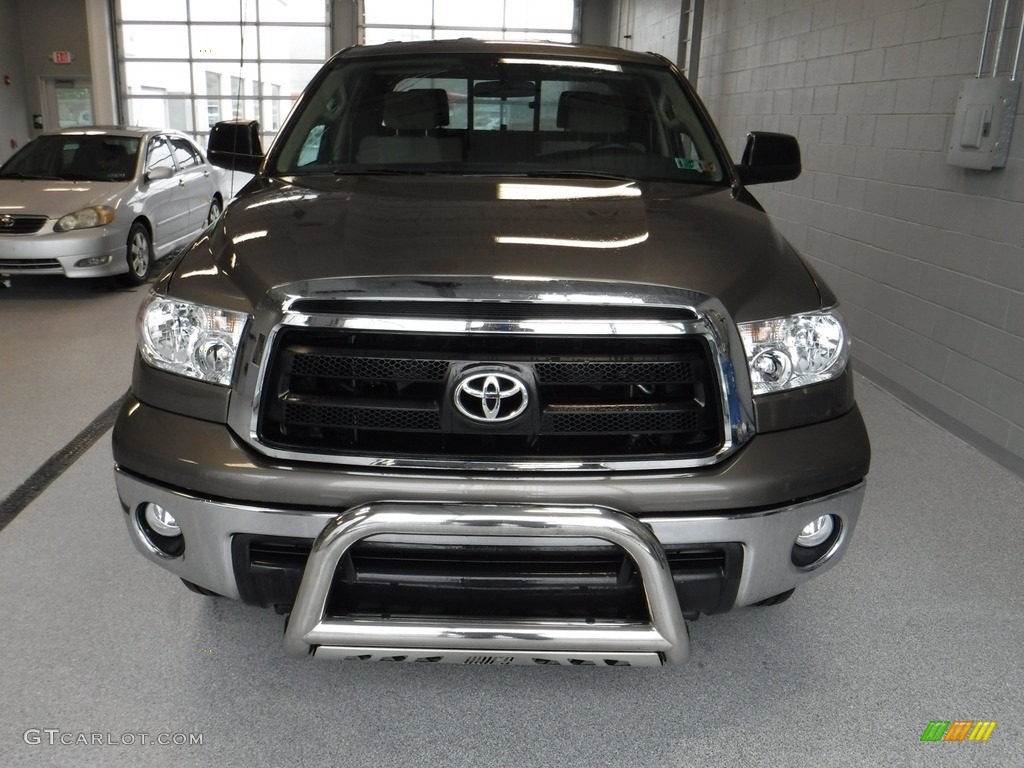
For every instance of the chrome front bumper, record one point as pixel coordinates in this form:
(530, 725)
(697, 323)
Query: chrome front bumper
(767, 537)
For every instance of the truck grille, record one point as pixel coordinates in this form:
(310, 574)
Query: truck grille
(390, 394)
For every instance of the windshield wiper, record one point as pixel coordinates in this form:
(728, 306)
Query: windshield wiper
(29, 176)
(570, 174)
(382, 172)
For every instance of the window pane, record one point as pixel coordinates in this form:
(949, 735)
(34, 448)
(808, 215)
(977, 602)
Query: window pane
(155, 41)
(218, 10)
(74, 105)
(159, 155)
(539, 14)
(147, 10)
(377, 35)
(167, 76)
(479, 34)
(209, 84)
(222, 78)
(180, 114)
(295, 10)
(148, 112)
(286, 79)
(224, 41)
(274, 113)
(469, 13)
(484, 19)
(401, 11)
(293, 43)
(553, 37)
(184, 154)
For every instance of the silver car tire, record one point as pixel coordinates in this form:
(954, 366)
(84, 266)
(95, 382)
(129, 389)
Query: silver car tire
(140, 255)
(214, 213)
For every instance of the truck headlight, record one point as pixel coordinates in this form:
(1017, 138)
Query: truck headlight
(792, 352)
(190, 339)
(87, 218)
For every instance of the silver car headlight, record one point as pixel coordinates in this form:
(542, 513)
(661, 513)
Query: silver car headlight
(792, 352)
(190, 339)
(87, 218)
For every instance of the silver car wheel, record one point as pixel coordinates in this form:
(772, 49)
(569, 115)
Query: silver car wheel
(140, 255)
(214, 212)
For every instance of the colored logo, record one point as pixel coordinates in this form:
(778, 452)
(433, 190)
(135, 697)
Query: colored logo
(958, 730)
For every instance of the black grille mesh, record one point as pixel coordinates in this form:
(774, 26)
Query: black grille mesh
(610, 373)
(369, 367)
(375, 394)
(23, 225)
(390, 419)
(622, 422)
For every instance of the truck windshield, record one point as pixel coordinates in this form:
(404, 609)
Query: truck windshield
(499, 114)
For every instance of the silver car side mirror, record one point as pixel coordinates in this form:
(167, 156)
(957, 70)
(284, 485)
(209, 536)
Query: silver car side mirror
(156, 174)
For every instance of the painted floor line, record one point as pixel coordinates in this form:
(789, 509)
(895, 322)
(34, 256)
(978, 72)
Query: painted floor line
(57, 464)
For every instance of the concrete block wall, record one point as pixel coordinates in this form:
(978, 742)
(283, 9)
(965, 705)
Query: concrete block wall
(926, 257)
(14, 122)
(651, 26)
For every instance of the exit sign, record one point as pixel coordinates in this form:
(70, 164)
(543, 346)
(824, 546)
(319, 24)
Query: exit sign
(62, 57)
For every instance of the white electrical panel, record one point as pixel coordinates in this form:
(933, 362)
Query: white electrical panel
(983, 123)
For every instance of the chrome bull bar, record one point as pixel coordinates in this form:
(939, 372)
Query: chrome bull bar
(662, 640)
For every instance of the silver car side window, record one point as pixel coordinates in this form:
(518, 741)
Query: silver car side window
(159, 155)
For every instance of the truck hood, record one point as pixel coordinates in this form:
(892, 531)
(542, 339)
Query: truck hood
(694, 237)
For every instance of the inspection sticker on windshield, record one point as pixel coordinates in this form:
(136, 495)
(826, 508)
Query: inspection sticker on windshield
(686, 164)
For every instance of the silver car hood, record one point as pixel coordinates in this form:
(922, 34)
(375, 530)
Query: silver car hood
(53, 198)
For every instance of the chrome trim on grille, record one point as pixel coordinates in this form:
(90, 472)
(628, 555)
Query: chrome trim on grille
(663, 640)
(712, 323)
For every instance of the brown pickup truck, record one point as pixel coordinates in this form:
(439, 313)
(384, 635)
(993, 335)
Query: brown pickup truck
(495, 360)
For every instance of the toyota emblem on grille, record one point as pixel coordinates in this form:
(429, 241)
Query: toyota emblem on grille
(491, 397)
(6, 221)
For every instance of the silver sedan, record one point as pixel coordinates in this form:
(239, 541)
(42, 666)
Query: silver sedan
(89, 202)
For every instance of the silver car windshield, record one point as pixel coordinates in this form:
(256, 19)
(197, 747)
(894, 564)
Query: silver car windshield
(497, 114)
(78, 157)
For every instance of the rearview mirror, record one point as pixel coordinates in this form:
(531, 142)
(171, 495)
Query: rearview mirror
(236, 146)
(504, 89)
(769, 157)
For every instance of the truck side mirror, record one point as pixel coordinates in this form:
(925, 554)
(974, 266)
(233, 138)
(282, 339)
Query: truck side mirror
(769, 157)
(236, 146)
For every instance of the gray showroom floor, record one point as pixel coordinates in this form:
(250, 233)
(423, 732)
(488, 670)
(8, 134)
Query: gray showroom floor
(923, 621)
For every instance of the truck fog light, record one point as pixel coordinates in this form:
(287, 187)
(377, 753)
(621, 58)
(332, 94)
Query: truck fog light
(161, 521)
(93, 261)
(159, 530)
(816, 532)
